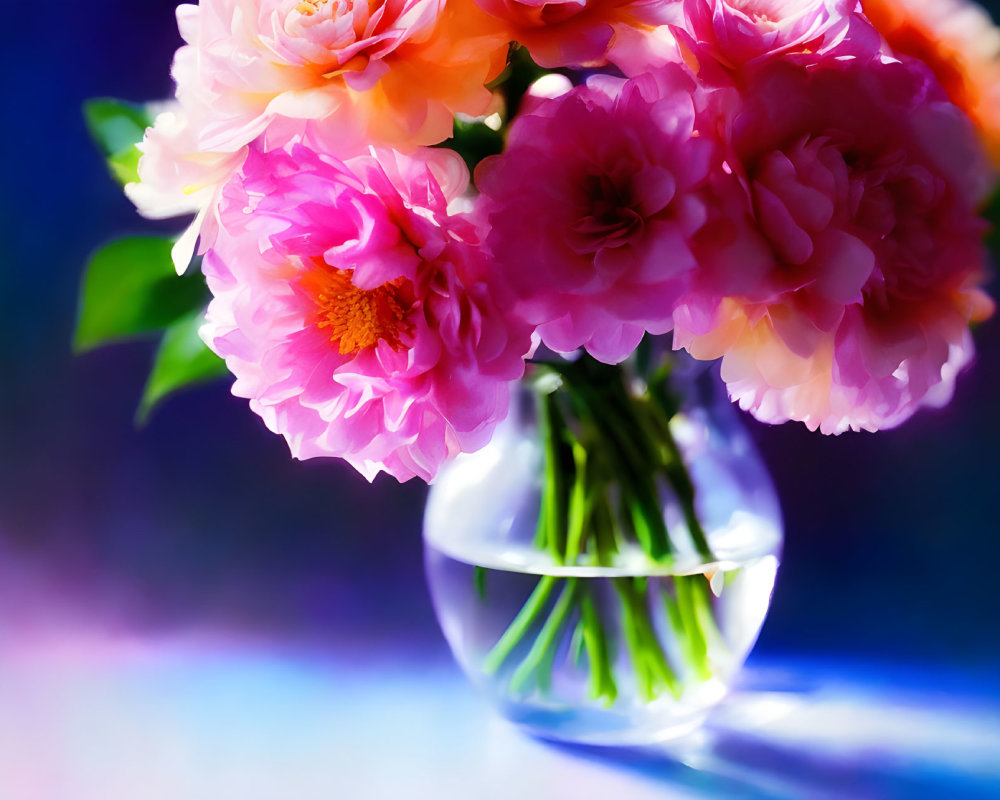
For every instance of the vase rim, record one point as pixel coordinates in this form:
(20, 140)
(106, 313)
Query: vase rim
(630, 563)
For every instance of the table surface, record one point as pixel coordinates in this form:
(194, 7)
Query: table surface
(94, 715)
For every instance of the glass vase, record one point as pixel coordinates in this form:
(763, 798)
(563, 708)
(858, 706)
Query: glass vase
(602, 568)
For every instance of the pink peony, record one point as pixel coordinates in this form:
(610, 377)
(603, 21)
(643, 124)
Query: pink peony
(735, 33)
(848, 306)
(565, 33)
(592, 206)
(355, 313)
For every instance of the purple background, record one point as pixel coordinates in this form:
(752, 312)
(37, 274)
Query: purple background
(202, 518)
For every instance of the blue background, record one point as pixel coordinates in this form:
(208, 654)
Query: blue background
(202, 518)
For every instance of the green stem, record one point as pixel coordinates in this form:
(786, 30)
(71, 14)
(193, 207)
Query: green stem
(543, 650)
(619, 449)
(694, 640)
(644, 645)
(703, 611)
(631, 459)
(520, 626)
(634, 644)
(479, 578)
(580, 505)
(676, 469)
(602, 680)
(553, 511)
(604, 531)
(577, 644)
(680, 479)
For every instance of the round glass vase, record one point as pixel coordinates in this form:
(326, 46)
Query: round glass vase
(605, 638)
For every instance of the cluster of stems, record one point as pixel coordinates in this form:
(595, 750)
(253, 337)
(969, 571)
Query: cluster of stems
(609, 455)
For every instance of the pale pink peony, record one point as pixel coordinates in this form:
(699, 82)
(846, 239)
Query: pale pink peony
(566, 33)
(355, 313)
(849, 306)
(592, 205)
(176, 179)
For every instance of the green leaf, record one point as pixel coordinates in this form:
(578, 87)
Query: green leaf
(182, 360)
(474, 141)
(131, 288)
(991, 213)
(117, 127)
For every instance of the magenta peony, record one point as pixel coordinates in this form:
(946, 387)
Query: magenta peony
(847, 305)
(592, 206)
(354, 311)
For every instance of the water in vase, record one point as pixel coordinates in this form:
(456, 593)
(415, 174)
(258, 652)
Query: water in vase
(605, 655)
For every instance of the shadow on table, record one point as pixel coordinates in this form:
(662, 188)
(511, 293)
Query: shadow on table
(804, 734)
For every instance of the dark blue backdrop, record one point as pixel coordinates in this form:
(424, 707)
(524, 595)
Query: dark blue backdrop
(203, 517)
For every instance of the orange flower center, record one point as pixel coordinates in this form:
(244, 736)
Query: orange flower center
(309, 7)
(358, 318)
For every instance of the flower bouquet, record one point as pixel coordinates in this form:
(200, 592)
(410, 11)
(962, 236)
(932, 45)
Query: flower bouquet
(422, 220)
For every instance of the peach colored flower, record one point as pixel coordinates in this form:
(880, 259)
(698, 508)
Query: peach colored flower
(335, 74)
(397, 72)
